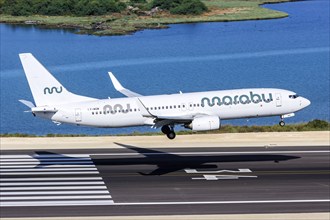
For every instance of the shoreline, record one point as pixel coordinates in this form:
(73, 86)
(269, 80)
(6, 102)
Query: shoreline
(123, 24)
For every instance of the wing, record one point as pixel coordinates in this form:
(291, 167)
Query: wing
(122, 89)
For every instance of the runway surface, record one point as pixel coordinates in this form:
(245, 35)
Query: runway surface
(133, 180)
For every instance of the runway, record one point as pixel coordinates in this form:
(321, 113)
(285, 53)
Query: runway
(133, 180)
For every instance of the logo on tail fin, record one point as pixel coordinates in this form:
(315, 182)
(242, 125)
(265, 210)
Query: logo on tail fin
(51, 91)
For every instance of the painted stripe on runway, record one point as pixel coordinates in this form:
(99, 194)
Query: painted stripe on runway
(49, 179)
(52, 187)
(111, 202)
(58, 203)
(52, 183)
(46, 159)
(46, 169)
(51, 166)
(48, 162)
(44, 173)
(54, 192)
(226, 202)
(54, 197)
(13, 156)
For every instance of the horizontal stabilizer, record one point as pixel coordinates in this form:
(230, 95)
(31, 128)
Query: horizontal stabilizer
(44, 109)
(120, 88)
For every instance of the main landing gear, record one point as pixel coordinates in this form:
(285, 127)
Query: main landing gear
(169, 131)
(281, 123)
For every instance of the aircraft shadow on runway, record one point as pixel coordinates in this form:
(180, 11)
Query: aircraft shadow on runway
(168, 163)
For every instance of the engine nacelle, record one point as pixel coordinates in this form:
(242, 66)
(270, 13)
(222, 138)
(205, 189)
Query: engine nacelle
(204, 123)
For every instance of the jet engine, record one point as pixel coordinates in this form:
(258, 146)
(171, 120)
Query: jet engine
(204, 123)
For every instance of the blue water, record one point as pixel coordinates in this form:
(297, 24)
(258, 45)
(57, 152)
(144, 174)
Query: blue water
(290, 53)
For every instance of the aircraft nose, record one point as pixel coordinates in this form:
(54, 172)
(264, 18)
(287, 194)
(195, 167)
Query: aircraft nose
(305, 102)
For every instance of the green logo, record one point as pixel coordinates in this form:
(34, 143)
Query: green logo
(234, 100)
(52, 90)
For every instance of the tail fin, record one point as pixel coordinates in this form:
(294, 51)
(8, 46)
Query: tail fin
(46, 90)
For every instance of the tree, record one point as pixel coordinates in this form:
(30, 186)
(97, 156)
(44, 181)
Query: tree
(194, 7)
(181, 6)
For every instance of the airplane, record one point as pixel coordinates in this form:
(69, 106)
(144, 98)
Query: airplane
(198, 111)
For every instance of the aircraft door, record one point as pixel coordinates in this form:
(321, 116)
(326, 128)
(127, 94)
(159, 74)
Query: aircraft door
(278, 99)
(78, 115)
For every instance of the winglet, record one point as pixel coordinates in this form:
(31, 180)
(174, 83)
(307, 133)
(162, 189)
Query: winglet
(122, 89)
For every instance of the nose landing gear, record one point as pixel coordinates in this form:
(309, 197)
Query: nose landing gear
(169, 131)
(281, 123)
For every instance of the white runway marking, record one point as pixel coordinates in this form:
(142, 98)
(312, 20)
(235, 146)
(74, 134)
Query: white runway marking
(56, 197)
(51, 187)
(52, 183)
(49, 179)
(83, 192)
(50, 166)
(221, 177)
(46, 159)
(58, 203)
(226, 202)
(219, 171)
(47, 173)
(47, 163)
(42, 156)
(42, 169)
(63, 190)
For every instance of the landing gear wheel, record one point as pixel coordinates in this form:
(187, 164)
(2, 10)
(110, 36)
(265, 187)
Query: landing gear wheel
(282, 123)
(171, 135)
(166, 129)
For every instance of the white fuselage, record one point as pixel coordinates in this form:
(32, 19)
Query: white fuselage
(226, 104)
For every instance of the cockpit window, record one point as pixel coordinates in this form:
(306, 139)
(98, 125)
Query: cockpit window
(293, 96)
